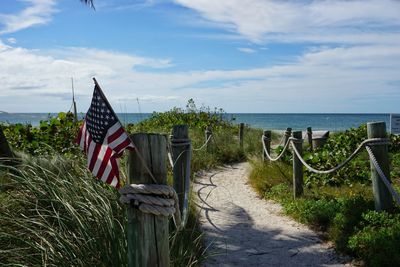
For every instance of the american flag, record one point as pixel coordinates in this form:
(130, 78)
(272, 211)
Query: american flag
(103, 139)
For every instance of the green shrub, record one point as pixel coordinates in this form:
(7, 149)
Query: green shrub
(317, 213)
(192, 116)
(377, 240)
(53, 135)
(339, 147)
(347, 218)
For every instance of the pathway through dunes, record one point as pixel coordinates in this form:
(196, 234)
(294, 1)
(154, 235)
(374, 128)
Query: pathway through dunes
(243, 230)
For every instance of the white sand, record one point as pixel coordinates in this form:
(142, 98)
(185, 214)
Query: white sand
(243, 230)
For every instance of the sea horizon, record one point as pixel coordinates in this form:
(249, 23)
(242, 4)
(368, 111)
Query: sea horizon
(273, 121)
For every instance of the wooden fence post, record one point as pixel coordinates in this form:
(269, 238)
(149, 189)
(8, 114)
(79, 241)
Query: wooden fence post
(147, 234)
(180, 154)
(382, 196)
(320, 139)
(241, 132)
(297, 166)
(267, 142)
(309, 138)
(208, 134)
(287, 133)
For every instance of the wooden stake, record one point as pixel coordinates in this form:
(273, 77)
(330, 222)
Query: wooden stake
(180, 154)
(297, 167)
(147, 234)
(267, 143)
(309, 137)
(241, 133)
(288, 133)
(382, 196)
(208, 133)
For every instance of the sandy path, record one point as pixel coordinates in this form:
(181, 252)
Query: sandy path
(244, 230)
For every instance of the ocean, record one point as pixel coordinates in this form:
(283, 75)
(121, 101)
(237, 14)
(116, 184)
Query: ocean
(273, 121)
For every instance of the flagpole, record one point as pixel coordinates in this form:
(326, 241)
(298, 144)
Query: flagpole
(137, 151)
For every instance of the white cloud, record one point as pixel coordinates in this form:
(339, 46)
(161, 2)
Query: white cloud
(324, 79)
(38, 12)
(320, 21)
(12, 40)
(247, 50)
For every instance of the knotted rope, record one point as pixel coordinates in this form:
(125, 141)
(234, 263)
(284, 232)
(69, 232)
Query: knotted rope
(159, 200)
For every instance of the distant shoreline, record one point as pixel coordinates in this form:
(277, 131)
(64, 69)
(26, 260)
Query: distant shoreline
(333, 122)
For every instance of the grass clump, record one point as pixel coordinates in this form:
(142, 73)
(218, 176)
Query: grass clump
(265, 176)
(56, 214)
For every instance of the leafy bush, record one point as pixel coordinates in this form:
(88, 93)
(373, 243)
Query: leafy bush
(53, 135)
(339, 147)
(194, 117)
(317, 213)
(347, 218)
(377, 240)
(394, 146)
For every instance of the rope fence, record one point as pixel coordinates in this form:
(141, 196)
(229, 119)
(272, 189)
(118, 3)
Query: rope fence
(382, 175)
(375, 141)
(367, 144)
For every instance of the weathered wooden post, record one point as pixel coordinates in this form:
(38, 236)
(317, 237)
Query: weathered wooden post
(309, 138)
(147, 234)
(319, 139)
(287, 134)
(241, 132)
(382, 196)
(180, 145)
(297, 165)
(267, 143)
(208, 135)
(6, 154)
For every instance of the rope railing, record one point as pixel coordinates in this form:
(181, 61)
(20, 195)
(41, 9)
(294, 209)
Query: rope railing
(382, 175)
(266, 151)
(373, 141)
(280, 142)
(204, 145)
(185, 142)
(368, 143)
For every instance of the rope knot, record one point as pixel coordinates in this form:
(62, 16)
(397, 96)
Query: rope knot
(159, 200)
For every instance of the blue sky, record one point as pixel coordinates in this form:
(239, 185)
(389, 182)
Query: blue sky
(239, 55)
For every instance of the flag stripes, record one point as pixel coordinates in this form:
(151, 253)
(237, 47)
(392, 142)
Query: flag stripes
(109, 141)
